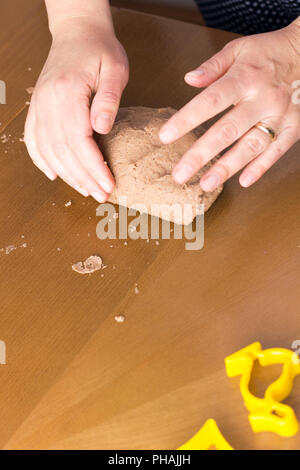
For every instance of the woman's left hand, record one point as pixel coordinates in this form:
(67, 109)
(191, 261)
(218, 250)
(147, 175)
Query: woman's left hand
(255, 74)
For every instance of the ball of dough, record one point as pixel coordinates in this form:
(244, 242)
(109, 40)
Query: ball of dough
(142, 165)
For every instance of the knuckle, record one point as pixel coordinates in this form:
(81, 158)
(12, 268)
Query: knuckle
(223, 170)
(211, 99)
(122, 69)
(90, 169)
(214, 64)
(255, 145)
(43, 149)
(259, 169)
(58, 148)
(278, 151)
(194, 160)
(63, 84)
(109, 96)
(228, 45)
(89, 166)
(228, 132)
(197, 160)
(186, 122)
(234, 43)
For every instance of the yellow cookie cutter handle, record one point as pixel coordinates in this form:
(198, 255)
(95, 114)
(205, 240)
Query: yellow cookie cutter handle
(267, 414)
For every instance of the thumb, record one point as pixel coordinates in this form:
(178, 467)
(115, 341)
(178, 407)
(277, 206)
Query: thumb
(112, 81)
(213, 69)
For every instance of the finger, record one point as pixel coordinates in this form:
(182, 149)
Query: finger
(256, 169)
(213, 68)
(30, 141)
(45, 148)
(247, 148)
(54, 147)
(216, 98)
(112, 81)
(92, 161)
(75, 117)
(221, 135)
(74, 171)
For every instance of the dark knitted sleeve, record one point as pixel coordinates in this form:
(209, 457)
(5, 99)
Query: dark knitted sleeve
(249, 16)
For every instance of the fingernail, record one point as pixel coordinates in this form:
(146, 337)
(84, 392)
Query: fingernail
(247, 179)
(168, 134)
(81, 190)
(103, 122)
(182, 174)
(195, 73)
(106, 185)
(210, 182)
(99, 197)
(50, 175)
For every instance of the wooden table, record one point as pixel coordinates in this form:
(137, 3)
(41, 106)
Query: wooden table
(75, 378)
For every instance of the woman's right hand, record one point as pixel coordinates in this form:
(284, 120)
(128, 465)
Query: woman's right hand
(84, 59)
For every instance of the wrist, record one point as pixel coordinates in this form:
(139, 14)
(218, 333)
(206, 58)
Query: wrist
(80, 26)
(65, 14)
(293, 36)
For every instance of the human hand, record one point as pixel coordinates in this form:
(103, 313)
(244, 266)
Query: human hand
(255, 75)
(84, 58)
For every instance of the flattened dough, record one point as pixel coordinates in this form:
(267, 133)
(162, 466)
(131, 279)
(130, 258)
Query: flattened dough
(90, 265)
(142, 165)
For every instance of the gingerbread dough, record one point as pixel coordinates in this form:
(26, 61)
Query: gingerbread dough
(142, 165)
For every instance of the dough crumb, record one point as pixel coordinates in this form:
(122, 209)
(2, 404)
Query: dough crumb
(67, 204)
(136, 289)
(30, 90)
(10, 248)
(120, 318)
(157, 242)
(90, 265)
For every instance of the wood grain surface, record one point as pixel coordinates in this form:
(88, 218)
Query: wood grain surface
(77, 379)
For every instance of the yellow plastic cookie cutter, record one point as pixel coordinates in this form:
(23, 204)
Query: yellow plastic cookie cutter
(267, 414)
(208, 436)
